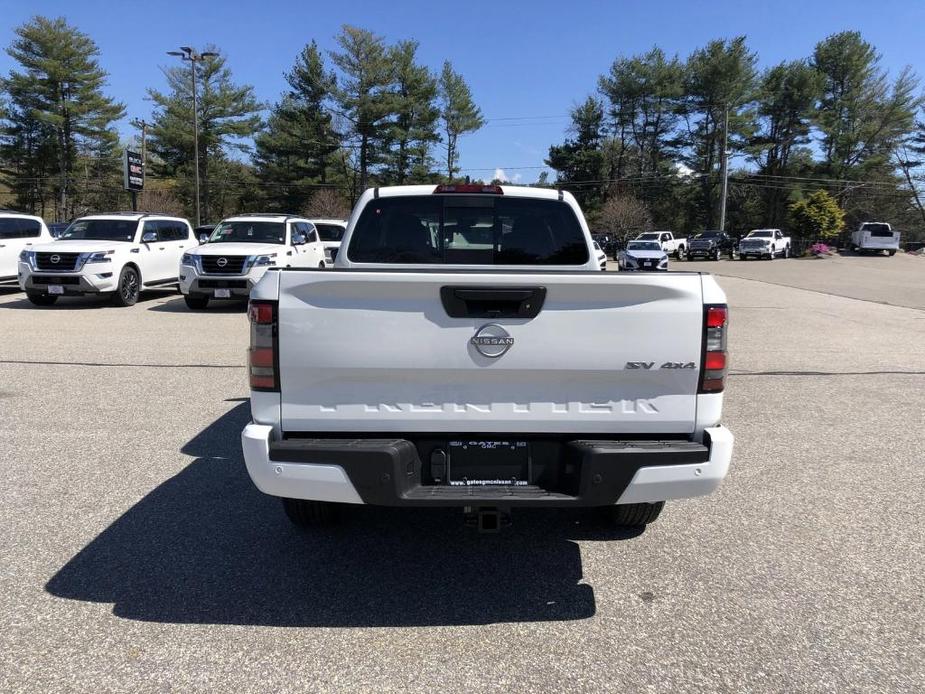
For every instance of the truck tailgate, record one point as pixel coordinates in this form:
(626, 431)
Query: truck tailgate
(370, 351)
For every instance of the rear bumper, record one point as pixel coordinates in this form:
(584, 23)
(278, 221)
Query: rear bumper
(389, 472)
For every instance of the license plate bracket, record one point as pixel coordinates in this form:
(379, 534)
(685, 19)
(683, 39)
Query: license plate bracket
(485, 463)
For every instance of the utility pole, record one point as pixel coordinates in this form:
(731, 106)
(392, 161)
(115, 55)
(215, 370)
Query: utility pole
(143, 125)
(188, 54)
(725, 160)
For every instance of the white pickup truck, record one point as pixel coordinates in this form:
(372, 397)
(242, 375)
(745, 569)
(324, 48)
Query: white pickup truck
(466, 351)
(669, 243)
(764, 243)
(875, 237)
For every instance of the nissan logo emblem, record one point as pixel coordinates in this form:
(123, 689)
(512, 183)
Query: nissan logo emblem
(491, 341)
(55, 258)
(221, 262)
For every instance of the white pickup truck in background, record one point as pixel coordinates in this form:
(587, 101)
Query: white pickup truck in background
(468, 352)
(764, 243)
(671, 245)
(875, 237)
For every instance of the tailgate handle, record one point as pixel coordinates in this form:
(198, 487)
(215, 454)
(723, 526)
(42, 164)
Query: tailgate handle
(492, 302)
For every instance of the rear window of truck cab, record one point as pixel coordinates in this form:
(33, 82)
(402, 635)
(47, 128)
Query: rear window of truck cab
(468, 230)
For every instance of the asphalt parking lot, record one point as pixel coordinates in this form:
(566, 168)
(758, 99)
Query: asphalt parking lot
(136, 555)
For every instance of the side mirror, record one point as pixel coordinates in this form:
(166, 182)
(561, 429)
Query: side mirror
(298, 239)
(203, 238)
(149, 237)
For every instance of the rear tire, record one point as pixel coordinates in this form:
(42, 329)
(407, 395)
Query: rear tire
(786, 252)
(41, 299)
(311, 514)
(129, 287)
(197, 303)
(635, 515)
(892, 253)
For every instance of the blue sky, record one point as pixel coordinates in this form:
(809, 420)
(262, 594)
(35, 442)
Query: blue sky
(526, 62)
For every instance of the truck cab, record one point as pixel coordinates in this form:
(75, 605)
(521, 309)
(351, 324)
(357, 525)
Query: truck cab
(666, 239)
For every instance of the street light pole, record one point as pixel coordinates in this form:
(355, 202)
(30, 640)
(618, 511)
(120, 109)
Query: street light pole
(188, 54)
(722, 209)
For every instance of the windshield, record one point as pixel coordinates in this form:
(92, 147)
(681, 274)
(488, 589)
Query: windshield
(100, 230)
(708, 235)
(330, 232)
(249, 232)
(761, 234)
(643, 246)
(468, 230)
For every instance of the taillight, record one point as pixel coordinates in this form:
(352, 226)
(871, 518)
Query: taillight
(469, 188)
(262, 359)
(713, 368)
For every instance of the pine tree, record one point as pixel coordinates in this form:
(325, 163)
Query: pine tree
(414, 127)
(57, 116)
(295, 153)
(718, 77)
(458, 113)
(364, 98)
(580, 159)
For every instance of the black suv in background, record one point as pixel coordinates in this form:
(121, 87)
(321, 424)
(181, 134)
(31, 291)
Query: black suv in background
(711, 245)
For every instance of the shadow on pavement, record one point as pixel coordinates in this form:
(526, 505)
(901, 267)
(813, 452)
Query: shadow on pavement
(207, 547)
(79, 302)
(178, 305)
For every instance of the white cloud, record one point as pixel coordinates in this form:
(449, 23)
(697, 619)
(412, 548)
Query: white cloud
(501, 175)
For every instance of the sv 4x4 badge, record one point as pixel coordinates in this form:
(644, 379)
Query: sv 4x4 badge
(666, 365)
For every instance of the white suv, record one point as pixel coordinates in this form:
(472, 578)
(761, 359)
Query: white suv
(119, 254)
(331, 232)
(17, 233)
(240, 251)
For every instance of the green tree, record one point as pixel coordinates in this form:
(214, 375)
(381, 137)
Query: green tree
(861, 115)
(458, 113)
(413, 130)
(58, 117)
(228, 118)
(787, 98)
(295, 153)
(364, 99)
(718, 77)
(579, 161)
(643, 96)
(817, 217)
